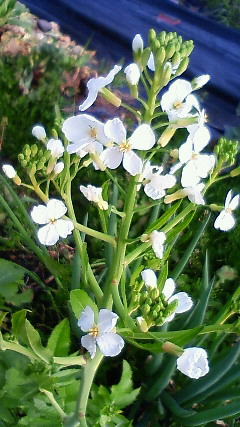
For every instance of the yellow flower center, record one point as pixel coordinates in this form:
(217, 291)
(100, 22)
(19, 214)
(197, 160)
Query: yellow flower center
(125, 146)
(93, 132)
(177, 105)
(195, 156)
(94, 331)
(52, 220)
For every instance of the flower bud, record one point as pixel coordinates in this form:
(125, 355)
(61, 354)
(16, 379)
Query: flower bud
(166, 136)
(145, 57)
(151, 36)
(39, 132)
(200, 81)
(171, 308)
(58, 168)
(173, 349)
(167, 71)
(132, 74)
(39, 165)
(176, 59)
(159, 57)
(145, 309)
(9, 171)
(34, 150)
(170, 50)
(235, 172)
(110, 97)
(27, 150)
(162, 37)
(142, 324)
(154, 293)
(137, 43)
(182, 67)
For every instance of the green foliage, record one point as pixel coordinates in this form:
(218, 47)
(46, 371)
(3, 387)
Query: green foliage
(110, 403)
(79, 299)
(12, 284)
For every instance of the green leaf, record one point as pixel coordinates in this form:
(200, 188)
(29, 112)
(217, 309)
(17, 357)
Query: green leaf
(180, 227)
(18, 325)
(2, 315)
(10, 273)
(79, 299)
(36, 344)
(59, 340)
(156, 225)
(123, 393)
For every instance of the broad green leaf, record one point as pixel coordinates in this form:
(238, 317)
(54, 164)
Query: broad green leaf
(18, 325)
(36, 344)
(59, 340)
(10, 273)
(5, 415)
(164, 218)
(79, 299)
(21, 298)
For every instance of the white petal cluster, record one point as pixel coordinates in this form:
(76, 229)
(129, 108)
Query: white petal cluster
(178, 101)
(39, 132)
(132, 72)
(197, 165)
(95, 84)
(101, 334)
(157, 183)
(55, 227)
(157, 240)
(56, 147)
(193, 362)
(225, 220)
(94, 194)
(194, 193)
(122, 148)
(184, 301)
(9, 171)
(85, 133)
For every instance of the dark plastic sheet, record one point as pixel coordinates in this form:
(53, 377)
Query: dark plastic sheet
(112, 24)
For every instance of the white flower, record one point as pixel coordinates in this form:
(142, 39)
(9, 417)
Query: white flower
(193, 362)
(149, 278)
(178, 101)
(39, 132)
(197, 165)
(56, 147)
(95, 84)
(132, 72)
(200, 81)
(86, 134)
(9, 171)
(184, 301)
(194, 193)
(157, 239)
(51, 216)
(94, 194)
(100, 334)
(58, 168)
(225, 220)
(137, 43)
(142, 138)
(157, 185)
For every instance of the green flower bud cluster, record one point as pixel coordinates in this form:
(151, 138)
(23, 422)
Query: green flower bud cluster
(33, 156)
(154, 307)
(170, 52)
(226, 151)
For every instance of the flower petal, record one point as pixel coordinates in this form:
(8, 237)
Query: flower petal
(224, 221)
(184, 302)
(132, 163)
(189, 176)
(149, 278)
(234, 202)
(86, 320)
(142, 138)
(110, 343)
(39, 214)
(89, 343)
(48, 235)
(168, 288)
(64, 227)
(193, 362)
(115, 130)
(55, 209)
(157, 239)
(111, 157)
(106, 320)
(201, 138)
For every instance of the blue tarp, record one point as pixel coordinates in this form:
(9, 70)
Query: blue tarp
(112, 24)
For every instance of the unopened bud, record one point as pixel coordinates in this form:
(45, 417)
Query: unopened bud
(137, 43)
(173, 349)
(9, 171)
(39, 132)
(159, 57)
(34, 150)
(235, 172)
(132, 74)
(170, 50)
(145, 57)
(176, 58)
(151, 36)
(58, 168)
(111, 97)
(145, 309)
(167, 71)
(142, 324)
(166, 136)
(182, 66)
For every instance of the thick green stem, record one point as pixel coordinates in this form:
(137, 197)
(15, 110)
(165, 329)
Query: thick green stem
(88, 373)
